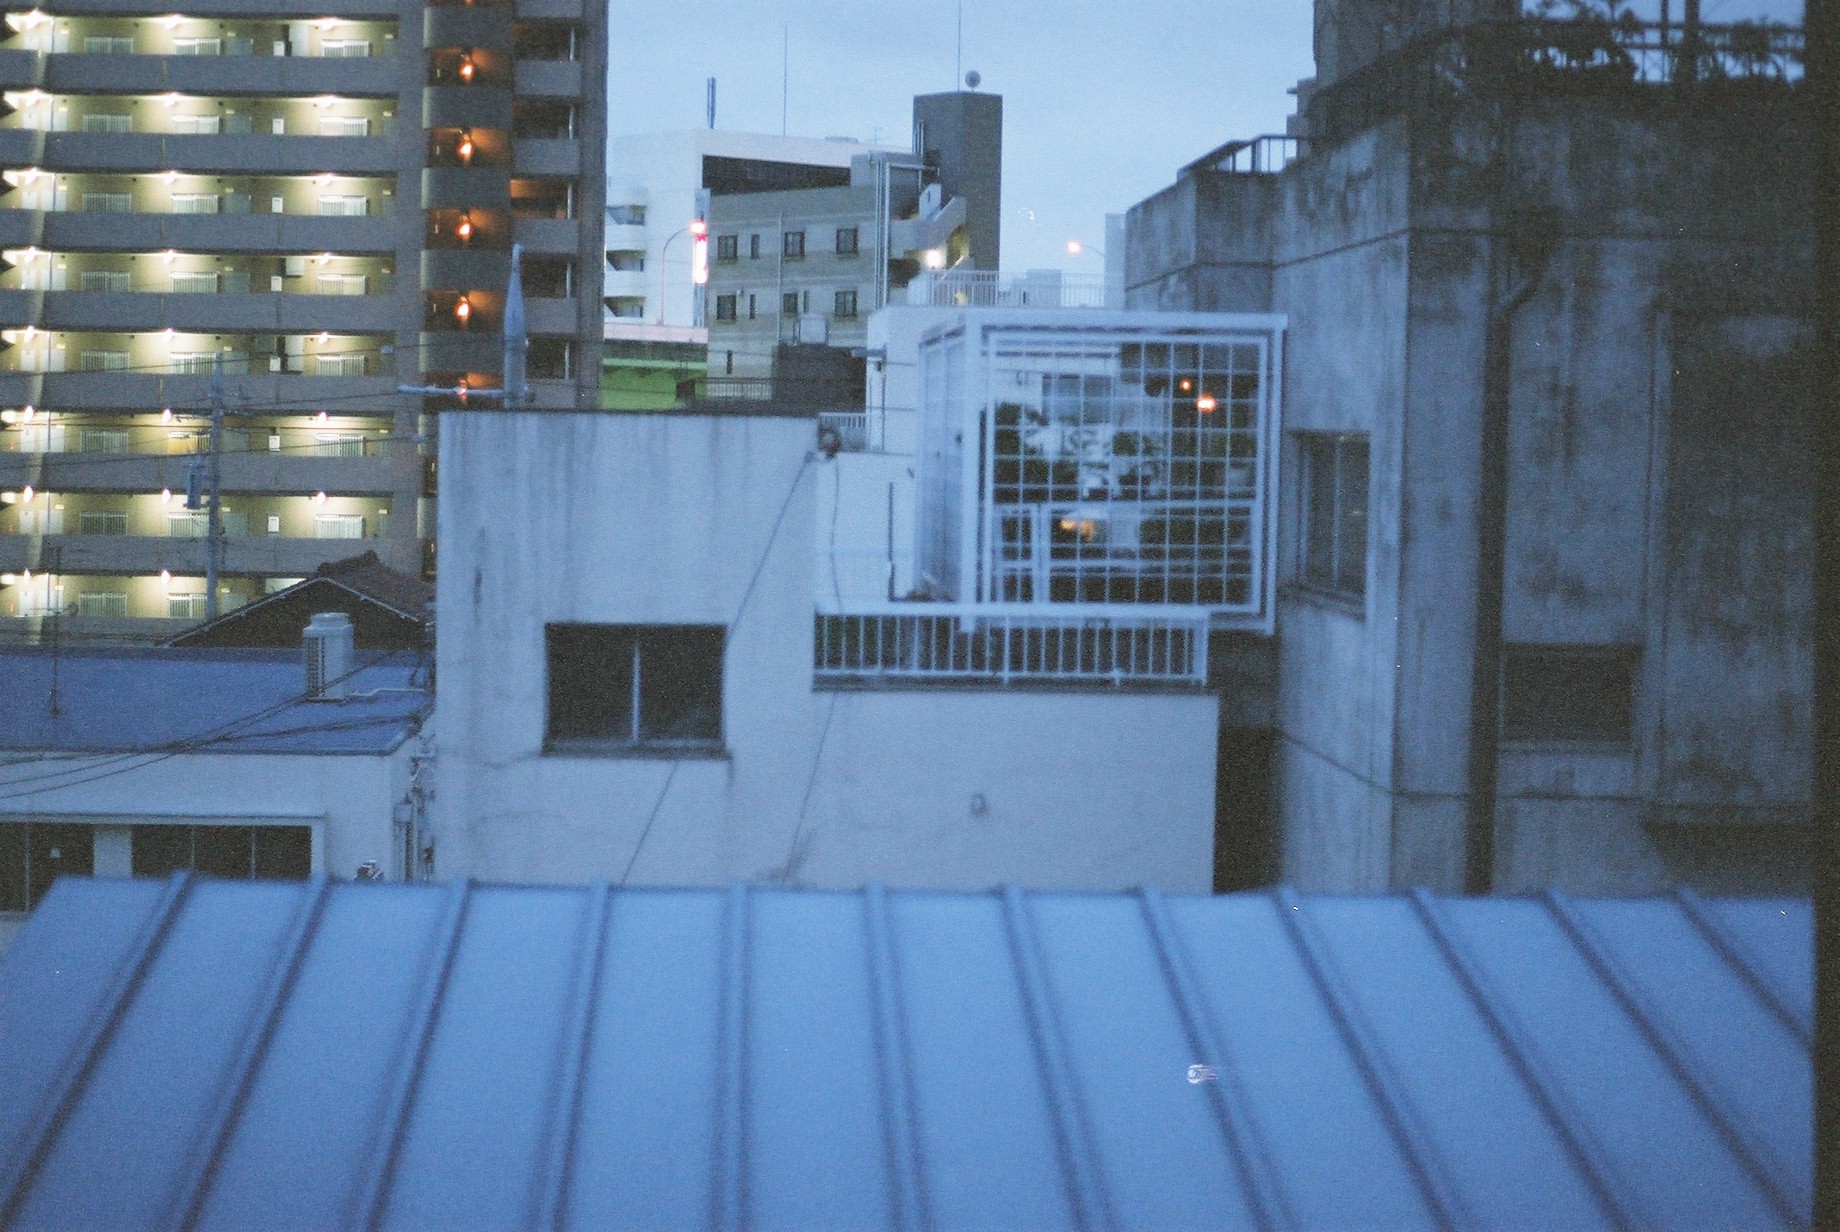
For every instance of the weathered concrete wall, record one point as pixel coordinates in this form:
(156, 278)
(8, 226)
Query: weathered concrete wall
(665, 519)
(1202, 245)
(1658, 494)
(1342, 270)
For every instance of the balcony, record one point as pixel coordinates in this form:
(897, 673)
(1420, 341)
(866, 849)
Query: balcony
(216, 153)
(350, 9)
(204, 312)
(464, 188)
(943, 643)
(474, 106)
(244, 471)
(21, 70)
(111, 391)
(558, 157)
(991, 289)
(284, 234)
(547, 236)
(21, 229)
(550, 316)
(222, 75)
(147, 554)
(21, 147)
(548, 79)
(550, 10)
(456, 25)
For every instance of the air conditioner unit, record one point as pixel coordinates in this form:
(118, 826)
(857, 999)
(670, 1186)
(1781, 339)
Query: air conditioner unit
(326, 646)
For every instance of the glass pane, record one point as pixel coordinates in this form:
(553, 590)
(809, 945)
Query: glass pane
(680, 696)
(1351, 567)
(57, 851)
(13, 867)
(284, 852)
(223, 851)
(1319, 510)
(590, 682)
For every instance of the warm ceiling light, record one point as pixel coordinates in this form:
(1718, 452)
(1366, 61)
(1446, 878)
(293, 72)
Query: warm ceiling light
(467, 67)
(29, 412)
(171, 20)
(168, 255)
(465, 229)
(326, 23)
(1185, 385)
(166, 577)
(166, 415)
(1205, 403)
(463, 310)
(324, 101)
(322, 259)
(166, 496)
(171, 176)
(320, 418)
(170, 99)
(325, 178)
(324, 338)
(465, 149)
(319, 498)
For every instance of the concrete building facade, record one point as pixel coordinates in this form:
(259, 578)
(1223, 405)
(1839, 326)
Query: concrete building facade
(1545, 617)
(323, 206)
(634, 687)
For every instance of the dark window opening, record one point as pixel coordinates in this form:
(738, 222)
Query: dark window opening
(634, 686)
(846, 241)
(1335, 512)
(280, 853)
(32, 856)
(725, 307)
(727, 247)
(793, 244)
(846, 304)
(753, 247)
(789, 304)
(1581, 693)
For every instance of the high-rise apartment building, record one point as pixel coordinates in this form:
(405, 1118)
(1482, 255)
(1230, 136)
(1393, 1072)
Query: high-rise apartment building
(322, 207)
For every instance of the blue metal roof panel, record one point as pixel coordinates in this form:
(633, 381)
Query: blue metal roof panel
(333, 1055)
(115, 700)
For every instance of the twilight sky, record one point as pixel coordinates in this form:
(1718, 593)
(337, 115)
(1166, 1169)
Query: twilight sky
(1102, 101)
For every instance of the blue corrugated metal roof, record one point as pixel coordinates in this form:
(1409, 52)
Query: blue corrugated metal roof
(237, 1055)
(220, 701)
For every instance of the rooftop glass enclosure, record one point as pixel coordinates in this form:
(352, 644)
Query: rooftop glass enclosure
(1120, 458)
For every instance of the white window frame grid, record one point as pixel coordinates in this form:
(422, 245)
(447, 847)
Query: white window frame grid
(197, 124)
(192, 602)
(345, 49)
(108, 122)
(195, 203)
(197, 45)
(107, 202)
(105, 280)
(195, 282)
(1186, 490)
(108, 44)
(338, 526)
(341, 284)
(344, 126)
(102, 361)
(350, 363)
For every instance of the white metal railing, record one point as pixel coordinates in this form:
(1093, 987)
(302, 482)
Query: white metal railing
(954, 642)
(995, 289)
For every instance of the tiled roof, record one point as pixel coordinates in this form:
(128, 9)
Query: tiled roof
(242, 1055)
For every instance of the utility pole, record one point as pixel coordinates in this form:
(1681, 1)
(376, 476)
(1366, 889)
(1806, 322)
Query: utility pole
(516, 391)
(213, 500)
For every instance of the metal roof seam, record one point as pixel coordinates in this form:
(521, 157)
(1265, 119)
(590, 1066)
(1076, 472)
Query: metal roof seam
(1401, 1115)
(1687, 1069)
(894, 1054)
(197, 1172)
(16, 1173)
(1726, 946)
(1226, 1092)
(1081, 1171)
(1568, 1123)
(387, 1132)
(549, 1187)
(728, 1188)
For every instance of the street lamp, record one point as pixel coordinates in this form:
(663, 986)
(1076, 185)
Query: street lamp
(696, 227)
(1075, 248)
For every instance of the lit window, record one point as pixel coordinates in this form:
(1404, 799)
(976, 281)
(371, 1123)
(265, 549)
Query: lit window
(1334, 528)
(794, 244)
(846, 241)
(634, 686)
(1569, 693)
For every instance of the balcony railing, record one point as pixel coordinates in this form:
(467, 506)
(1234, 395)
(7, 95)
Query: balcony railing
(994, 289)
(1582, 56)
(928, 642)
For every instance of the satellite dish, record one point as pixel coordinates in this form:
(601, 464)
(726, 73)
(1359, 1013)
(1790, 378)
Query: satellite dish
(972, 79)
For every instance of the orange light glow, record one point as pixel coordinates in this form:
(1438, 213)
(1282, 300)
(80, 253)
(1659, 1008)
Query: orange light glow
(465, 229)
(463, 310)
(466, 69)
(1205, 403)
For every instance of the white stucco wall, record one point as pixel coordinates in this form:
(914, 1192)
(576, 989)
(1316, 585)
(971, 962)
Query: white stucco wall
(669, 519)
(347, 800)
